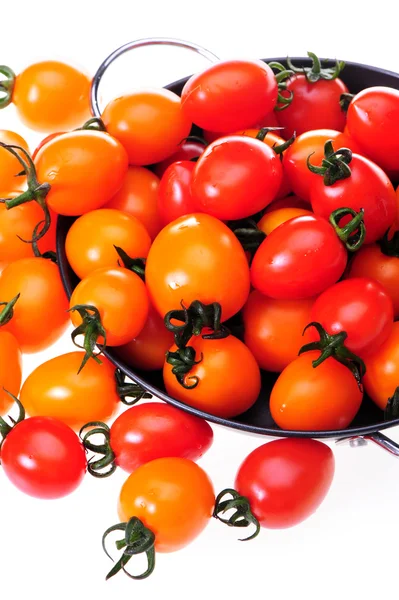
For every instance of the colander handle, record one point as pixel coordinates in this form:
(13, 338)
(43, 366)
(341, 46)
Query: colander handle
(377, 438)
(156, 41)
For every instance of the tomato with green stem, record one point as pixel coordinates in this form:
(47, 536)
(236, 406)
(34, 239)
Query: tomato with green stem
(10, 358)
(175, 199)
(163, 505)
(143, 433)
(41, 456)
(48, 95)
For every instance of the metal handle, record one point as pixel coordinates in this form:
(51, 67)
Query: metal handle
(156, 41)
(377, 438)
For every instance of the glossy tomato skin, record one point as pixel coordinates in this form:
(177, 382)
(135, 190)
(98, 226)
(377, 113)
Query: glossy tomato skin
(286, 480)
(43, 458)
(138, 196)
(84, 168)
(230, 95)
(275, 218)
(188, 150)
(45, 141)
(324, 398)
(154, 430)
(314, 106)
(90, 395)
(91, 240)
(121, 299)
(299, 259)
(311, 143)
(52, 95)
(173, 497)
(175, 199)
(40, 315)
(274, 329)
(149, 123)
(371, 262)
(382, 370)
(368, 187)
(288, 202)
(229, 377)
(10, 369)
(187, 262)
(372, 120)
(9, 164)
(147, 350)
(362, 308)
(236, 177)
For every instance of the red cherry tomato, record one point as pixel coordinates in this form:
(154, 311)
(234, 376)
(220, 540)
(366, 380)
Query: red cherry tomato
(230, 95)
(187, 150)
(43, 457)
(174, 198)
(368, 187)
(299, 259)
(286, 480)
(360, 307)
(236, 177)
(156, 430)
(373, 122)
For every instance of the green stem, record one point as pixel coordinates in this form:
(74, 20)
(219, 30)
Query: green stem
(94, 124)
(182, 361)
(129, 390)
(195, 318)
(137, 265)
(248, 234)
(92, 329)
(107, 462)
(390, 245)
(8, 311)
(242, 515)
(5, 428)
(345, 100)
(392, 408)
(316, 72)
(353, 233)
(334, 166)
(283, 75)
(6, 86)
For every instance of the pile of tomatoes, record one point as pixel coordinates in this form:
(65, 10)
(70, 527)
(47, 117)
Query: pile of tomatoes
(249, 225)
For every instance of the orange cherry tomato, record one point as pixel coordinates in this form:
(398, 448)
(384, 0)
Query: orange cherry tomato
(17, 224)
(84, 168)
(138, 196)
(228, 377)
(40, 315)
(9, 165)
(91, 240)
(121, 299)
(173, 497)
(274, 328)
(147, 351)
(55, 389)
(382, 370)
(149, 123)
(288, 202)
(52, 95)
(273, 219)
(197, 257)
(305, 398)
(10, 369)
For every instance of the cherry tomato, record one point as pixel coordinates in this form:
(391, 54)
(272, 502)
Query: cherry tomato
(187, 262)
(268, 121)
(18, 224)
(40, 315)
(382, 370)
(173, 497)
(299, 259)
(236, 177)
(368, 187)
(121, 299)
(305, 398)
(55, 389)
(187, 150)
(45, 141)
(275, 218)
(147, 350)
(52, 95)
(175, 199)
(9, 165)
(44, 458)
(373, 122)
(91, 240)
(274, 328)
(230, 95)
(311, 144)
(228, 377)
(138, 196)
(360, 307)
(154, 430)
(314, 105)
(84, 168)
(10, 369)
(286, 480)
(149, 123)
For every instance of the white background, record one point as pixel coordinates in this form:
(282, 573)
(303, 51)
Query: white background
(349, 547)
